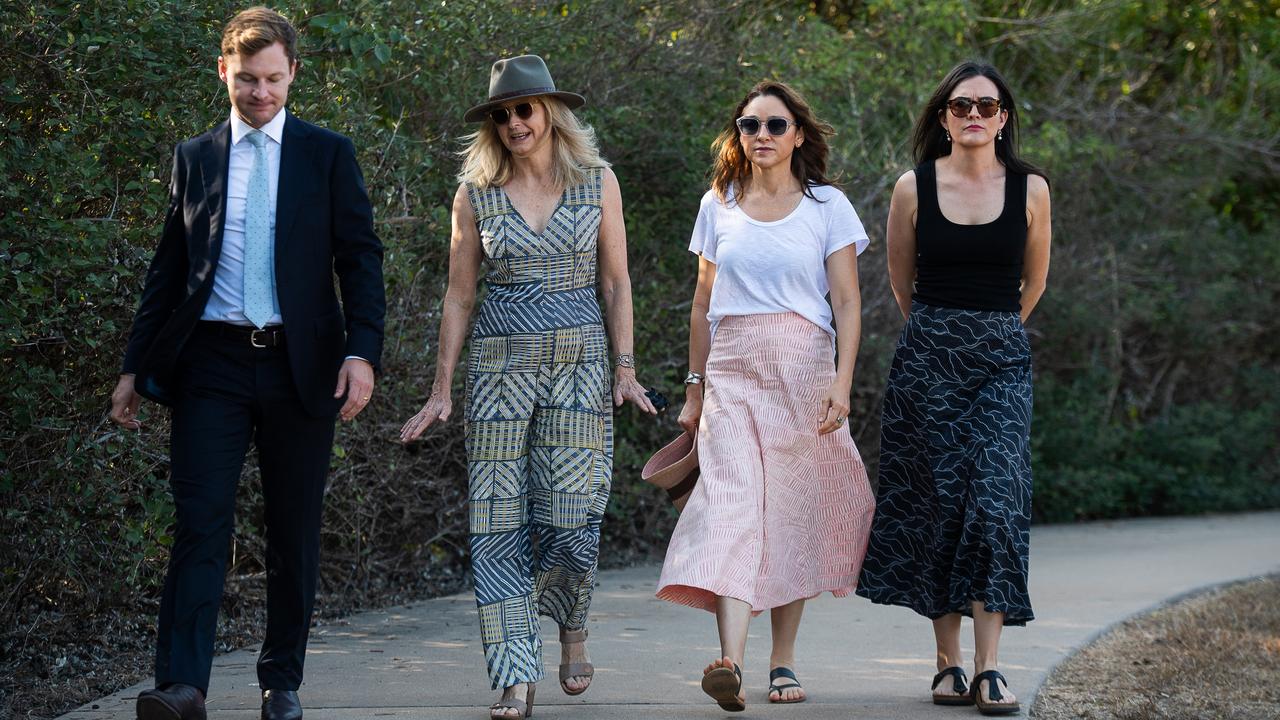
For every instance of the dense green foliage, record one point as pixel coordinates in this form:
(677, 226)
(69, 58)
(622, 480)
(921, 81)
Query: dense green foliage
(1158, 388)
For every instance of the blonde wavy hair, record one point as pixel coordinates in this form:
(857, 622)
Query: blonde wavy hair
(486, 162)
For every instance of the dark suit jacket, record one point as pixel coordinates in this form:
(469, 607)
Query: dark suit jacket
(324, 226)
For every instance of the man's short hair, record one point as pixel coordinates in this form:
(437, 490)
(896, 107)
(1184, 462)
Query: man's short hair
(258, 28)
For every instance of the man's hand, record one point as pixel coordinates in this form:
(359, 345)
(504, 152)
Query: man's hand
(355, 379)
(124, 404)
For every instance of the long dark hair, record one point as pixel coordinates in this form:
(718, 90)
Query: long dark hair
(808, 162)
(929, 139)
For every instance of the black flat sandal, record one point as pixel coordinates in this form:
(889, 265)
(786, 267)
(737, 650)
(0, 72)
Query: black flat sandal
(993, 692)
(774, 687)
(724, 685)
(958, 683)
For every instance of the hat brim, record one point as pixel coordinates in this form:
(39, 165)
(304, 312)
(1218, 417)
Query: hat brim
(477, 113)
(674, 469)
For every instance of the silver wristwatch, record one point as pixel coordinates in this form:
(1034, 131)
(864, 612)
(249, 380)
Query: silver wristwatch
(694, 378)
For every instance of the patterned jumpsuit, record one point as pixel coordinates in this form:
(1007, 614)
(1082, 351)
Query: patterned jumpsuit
(539, 425)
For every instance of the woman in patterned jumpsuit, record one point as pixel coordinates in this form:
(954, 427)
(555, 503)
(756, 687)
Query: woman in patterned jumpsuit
(541, 211)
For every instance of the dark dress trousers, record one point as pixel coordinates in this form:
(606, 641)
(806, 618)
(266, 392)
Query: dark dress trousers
(226, 394)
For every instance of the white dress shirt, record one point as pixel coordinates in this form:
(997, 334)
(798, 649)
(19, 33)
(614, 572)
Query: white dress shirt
(226, 304)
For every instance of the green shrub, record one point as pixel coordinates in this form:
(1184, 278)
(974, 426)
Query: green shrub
(1155, 346)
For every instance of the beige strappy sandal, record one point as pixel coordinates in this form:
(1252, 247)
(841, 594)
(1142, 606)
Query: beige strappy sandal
(524, 707)
(575, 669)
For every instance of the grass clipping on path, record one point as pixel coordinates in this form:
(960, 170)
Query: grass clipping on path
(1215, 655)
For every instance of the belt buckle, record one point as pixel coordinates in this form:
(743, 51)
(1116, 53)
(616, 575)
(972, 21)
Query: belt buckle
(253, 339)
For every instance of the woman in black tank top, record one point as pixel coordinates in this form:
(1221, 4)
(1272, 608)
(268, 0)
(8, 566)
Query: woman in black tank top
(968, 240)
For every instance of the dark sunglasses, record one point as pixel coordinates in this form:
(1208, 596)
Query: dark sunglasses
(987, 106)
(502, 116)
(751, 125)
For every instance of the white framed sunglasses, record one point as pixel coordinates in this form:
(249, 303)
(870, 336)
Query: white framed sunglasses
(750, 125)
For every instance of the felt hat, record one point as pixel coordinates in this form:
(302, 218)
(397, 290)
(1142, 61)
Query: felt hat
(518, 77)
(674, 468)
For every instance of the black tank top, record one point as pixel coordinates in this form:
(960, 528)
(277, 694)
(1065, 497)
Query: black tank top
(971, 267)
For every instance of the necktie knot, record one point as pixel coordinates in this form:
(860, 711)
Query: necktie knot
(257, 138)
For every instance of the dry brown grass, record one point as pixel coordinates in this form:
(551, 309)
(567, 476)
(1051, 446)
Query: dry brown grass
(1212, 656)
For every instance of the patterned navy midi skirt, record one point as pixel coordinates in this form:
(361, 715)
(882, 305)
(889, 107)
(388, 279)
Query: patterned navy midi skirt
(953, 506)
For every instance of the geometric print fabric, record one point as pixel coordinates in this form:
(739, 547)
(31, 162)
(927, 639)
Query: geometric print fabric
(539, 426)
(953, 512)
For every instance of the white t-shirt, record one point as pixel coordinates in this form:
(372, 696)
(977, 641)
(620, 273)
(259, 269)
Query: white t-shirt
(779, 266)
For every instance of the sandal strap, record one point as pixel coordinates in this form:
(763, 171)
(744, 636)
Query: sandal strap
(783, 672)
(993, 687)
(511, 704)
(578, 669)
(573, 636)
(958, 684)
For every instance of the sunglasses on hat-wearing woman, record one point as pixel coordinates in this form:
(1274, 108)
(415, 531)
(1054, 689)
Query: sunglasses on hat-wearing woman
(750, 125)
(987, 106)
(502, 115)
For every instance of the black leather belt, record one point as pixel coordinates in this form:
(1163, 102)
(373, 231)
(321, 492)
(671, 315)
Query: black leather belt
(268, 337)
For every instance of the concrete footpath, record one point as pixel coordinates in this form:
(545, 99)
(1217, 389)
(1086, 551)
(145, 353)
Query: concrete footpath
(857, 660)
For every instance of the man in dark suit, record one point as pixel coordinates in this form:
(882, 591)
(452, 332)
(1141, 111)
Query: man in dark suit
(239, 330)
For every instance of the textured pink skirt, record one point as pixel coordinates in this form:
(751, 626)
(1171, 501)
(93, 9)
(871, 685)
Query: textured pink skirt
(780, 513)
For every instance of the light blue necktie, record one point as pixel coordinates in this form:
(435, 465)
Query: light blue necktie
(259, 297)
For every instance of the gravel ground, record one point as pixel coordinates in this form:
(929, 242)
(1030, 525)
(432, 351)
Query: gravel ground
(1214, 655)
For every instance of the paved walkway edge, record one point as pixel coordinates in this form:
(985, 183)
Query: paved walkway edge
(857, 660)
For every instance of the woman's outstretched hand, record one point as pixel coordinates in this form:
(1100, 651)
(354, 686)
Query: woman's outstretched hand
(627, 389)
(437, 409)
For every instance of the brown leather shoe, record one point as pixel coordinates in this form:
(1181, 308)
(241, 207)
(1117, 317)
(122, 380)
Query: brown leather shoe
(172, 702)
(281, 705)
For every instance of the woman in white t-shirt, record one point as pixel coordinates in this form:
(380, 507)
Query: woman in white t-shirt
(782, 509)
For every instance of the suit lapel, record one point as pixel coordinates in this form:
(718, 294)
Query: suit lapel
(294, 164)
(215, 155)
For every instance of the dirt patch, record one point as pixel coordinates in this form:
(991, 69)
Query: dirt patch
(1215, 655)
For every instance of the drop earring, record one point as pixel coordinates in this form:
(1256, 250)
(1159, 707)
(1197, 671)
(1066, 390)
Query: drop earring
(1000, 134)
(948, 132)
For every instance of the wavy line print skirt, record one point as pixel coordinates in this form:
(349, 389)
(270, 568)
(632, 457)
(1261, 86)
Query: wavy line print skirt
(780, 513)
(953, 509)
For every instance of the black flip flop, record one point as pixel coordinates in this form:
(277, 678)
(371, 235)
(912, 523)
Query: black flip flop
(993, 692)
(958, 684)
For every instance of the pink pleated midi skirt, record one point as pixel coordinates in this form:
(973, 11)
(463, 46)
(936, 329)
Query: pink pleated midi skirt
(780, 513)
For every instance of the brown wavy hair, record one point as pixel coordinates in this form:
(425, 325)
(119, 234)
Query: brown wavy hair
(732, 170)
(256, 28)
